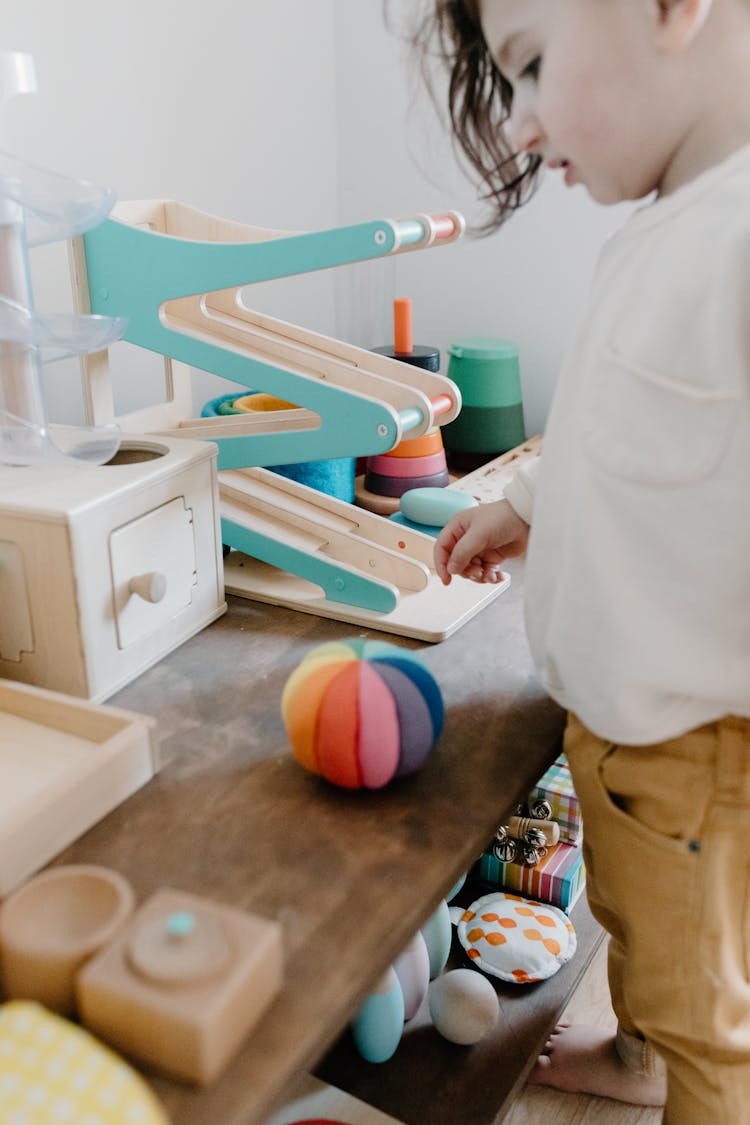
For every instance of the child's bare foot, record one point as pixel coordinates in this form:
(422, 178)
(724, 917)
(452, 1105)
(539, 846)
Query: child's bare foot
(583, 1060)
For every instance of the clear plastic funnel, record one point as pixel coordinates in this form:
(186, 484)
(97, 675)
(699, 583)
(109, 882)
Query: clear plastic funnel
(24, 443)
(37, 206)
(55, 207)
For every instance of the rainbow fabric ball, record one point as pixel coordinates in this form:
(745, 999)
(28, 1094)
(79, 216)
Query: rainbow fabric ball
(362, 712)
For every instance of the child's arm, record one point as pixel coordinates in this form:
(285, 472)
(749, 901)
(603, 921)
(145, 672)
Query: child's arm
(476, 541)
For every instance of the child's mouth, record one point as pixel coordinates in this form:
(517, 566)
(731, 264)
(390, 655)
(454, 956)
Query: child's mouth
(569, 174)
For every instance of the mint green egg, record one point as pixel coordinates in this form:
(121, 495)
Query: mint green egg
(434, 506)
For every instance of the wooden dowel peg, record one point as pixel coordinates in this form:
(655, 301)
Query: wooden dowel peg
(518, 826)
(402, 330)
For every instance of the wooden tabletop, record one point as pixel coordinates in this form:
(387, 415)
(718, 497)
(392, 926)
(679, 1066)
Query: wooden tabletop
(351, 876)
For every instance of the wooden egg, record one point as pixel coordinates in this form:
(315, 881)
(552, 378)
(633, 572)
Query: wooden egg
(412, 967)
(463, 1005)
(378, 1026)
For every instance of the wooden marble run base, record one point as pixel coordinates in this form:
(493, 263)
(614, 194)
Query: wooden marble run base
(431, 614)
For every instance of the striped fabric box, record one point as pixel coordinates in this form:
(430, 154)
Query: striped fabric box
(556, 787)
(557, 879)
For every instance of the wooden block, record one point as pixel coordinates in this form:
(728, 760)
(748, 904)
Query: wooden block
(53, 924)
(107, 568)
(183, 984)
(64, 764)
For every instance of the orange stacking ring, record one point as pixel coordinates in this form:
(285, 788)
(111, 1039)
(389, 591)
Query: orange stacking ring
(424, 446)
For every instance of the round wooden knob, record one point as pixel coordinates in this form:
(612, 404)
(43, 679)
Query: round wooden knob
(151, 587)
(179, 948)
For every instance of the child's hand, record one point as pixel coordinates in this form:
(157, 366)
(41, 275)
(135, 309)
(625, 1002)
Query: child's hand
(476, 541)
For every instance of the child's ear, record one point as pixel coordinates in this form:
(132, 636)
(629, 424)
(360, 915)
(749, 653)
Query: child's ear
(679, 22)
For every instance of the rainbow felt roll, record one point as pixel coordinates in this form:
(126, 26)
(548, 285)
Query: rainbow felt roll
(334, 477)
(361, 713)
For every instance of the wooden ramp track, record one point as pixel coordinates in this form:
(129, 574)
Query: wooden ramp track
(181, 279)
(353, 400)
(297, 547)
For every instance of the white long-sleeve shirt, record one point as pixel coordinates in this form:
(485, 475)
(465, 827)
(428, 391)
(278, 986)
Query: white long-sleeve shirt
(638, 571)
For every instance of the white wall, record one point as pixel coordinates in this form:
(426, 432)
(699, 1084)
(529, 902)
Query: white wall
(228, 106)
(526, 283)
(295, 114)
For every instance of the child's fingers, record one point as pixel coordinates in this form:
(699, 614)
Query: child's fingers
(466, 553)
(444, 545)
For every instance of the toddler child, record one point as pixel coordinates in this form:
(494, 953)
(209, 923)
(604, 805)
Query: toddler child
(637, 587)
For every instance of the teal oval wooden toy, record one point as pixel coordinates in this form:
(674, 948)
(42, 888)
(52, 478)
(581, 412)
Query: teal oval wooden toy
(361, 713)
(378, 1026)
(434, 506)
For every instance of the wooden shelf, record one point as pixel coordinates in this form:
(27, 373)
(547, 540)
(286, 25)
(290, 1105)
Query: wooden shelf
(350, 876)
(431, 1080)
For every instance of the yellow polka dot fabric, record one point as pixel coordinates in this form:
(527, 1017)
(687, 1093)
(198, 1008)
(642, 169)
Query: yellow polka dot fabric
(516, 939)
(54, 1073)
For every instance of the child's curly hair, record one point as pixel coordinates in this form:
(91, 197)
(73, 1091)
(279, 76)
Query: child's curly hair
(479, 101)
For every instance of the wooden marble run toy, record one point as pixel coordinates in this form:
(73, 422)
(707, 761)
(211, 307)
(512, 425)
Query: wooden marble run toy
(179, 276)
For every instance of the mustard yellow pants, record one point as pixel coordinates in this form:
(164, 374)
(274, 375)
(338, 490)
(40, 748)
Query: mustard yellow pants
(667, 851)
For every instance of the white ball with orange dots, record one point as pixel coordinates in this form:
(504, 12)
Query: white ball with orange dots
(463, 1006)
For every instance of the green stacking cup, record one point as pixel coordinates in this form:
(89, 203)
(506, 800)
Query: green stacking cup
(491, 420)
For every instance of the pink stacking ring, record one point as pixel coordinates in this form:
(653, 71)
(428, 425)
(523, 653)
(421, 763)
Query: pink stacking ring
(406, 466)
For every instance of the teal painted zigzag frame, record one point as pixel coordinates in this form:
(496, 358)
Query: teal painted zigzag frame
(177, 275)
(144, 274)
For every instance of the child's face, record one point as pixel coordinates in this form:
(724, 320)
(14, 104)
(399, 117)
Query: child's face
(588, 94)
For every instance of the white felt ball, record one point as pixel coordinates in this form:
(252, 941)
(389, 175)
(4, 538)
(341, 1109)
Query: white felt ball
(463, 1006)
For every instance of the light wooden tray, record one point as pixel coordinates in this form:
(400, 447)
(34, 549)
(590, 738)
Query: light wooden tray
(64, 764)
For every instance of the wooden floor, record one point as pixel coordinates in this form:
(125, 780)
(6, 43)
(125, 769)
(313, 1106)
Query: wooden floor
(589, 1004)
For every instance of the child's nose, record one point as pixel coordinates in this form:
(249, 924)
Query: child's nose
(524, 129)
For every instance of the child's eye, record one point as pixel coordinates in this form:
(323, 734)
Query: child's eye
(532, 68)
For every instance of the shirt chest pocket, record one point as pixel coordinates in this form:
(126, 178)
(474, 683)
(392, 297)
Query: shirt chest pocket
(648, 428)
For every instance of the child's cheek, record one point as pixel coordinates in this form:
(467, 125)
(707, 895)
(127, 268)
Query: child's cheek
(582, 125)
